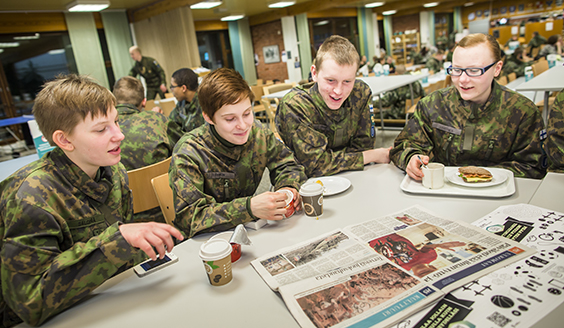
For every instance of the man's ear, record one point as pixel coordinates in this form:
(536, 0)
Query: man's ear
(313, 73)
(207, 118)
(60, 139)
(144, 102)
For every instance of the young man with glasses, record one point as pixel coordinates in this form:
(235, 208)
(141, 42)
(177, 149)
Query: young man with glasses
(474, 122)
(187, 115)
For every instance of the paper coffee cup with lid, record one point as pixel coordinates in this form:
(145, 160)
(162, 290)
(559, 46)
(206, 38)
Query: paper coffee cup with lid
(216, 256)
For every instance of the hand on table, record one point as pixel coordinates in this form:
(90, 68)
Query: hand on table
(379, 155)
(413, 168)
(147, 235)
(157, 109)
(269, 205)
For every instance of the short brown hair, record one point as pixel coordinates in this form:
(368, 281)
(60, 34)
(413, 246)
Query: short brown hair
(63, 102)
(475, 39)
(224, 86)
(341, 50)
(129, 90)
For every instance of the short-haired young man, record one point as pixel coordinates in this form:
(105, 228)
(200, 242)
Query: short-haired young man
(146, 141)
(187, 115)
(217, 167)
(66, 219)
(151, 71)
(327, 123)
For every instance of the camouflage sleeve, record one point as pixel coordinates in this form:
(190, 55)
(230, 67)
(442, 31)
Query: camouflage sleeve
(39, 279)
(387, 99)
(361, 139)
(284, 170)
(161, 72)
(174, 127)
(311, 146)
(555, 139)
(197, 212)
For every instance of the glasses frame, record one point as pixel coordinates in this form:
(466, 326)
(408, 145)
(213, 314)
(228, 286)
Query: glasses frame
(482, 69)
(174, 86)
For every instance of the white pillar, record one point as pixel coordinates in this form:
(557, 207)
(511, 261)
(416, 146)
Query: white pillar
(291, 48)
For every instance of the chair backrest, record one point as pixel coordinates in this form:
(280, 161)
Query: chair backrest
(447, 82)
(410, 107)
(169, 95)
(540, 67)
(140, 185)
(167, 106)
(150, 104)
(511, 76)
(277, 87)
(257, 91)
(164, 197)
(270, 112)
(535, 52)
(259, 82)
(502, 80)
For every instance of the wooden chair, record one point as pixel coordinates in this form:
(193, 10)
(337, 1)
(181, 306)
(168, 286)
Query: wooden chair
(447, 82)
(502, 80)
(535, 52)
(511, 76)
(150, 104)
(259, 82)
(271, 114)
(169, 95)
(540, 67)
(258, 92)
(167, 105)
(140, 185)
(410, 107)
(277, 87)
(164, 197)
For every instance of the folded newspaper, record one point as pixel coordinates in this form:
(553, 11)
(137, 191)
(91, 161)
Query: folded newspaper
(377, 272)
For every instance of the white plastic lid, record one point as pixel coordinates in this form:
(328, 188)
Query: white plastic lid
(215, 249)
(311, 189)
(289, 195)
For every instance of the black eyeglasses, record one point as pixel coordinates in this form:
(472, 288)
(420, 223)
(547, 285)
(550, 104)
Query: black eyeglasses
(470, 71)
(174, 86)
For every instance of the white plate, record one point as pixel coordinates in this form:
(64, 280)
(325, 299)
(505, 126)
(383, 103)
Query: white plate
(498, 177)
(333, 185)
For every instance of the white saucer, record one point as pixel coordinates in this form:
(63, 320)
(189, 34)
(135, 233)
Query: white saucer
(333, 185)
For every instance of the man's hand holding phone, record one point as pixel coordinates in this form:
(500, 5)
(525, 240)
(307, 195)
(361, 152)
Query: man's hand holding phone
(151, 236)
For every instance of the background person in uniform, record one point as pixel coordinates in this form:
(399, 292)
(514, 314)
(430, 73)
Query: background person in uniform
(327, 123)
(151, 71)
(536, 41)
(435, 61)
(554, 144)
(396, 98)
(553, 46)
(217, 167)
(146, 141)
(517, 62)
(474, 122)
(187, 115)
(66, 219)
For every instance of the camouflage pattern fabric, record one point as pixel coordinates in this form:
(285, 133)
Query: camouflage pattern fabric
(153, 74)
(548, 49)
(554, 143)
(185, 117)
(442, 43)
(418, 59)
(537, 41)
(326, 141)
(433, 64)
(57, 245)
(504, 132)
(146, 142)
(213, 180)
(396, 99)
(514, 64)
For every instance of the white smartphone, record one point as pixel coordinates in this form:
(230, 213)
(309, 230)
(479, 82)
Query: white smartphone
(151, 266)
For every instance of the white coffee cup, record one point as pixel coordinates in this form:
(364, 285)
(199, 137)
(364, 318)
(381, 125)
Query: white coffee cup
(216, 257)
(433, 175)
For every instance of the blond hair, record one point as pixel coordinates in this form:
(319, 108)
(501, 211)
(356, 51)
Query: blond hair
(475, 39)
(65, 101)
(341, 50)
(224, 86)
(129, 90)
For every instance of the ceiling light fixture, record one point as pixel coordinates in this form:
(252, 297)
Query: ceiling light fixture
(88, 5)
(27, 37)
(468, 4)
(431, 4)
(321, 23)
(231, 18)
(281, 4)
(389, 12)
(374, 4)
(9, 44)
(206, 4)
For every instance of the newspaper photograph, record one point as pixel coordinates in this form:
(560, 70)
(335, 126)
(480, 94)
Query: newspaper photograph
(518, 295)
(400, 262)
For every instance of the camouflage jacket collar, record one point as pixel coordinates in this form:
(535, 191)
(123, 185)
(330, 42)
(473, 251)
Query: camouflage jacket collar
(97, 190)
(186, 107)
(224, 147)
(475, 110)
(126, 109)
(334, 115)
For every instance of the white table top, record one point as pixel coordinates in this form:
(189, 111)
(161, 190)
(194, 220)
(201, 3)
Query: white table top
(278, 94)
(381, 84)
(532, 95)
(11, 166)
(550, 80)
(550, 190)
(181, 295)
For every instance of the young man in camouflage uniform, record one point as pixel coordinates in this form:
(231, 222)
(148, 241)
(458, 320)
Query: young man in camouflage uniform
(474, 122)
(66, 219)
(396, 98)
(217, 167)
(435, 62)
(554, 144)
(187, 115)
(151, 71)
(537, 40)
(146, 141)
(327, 123)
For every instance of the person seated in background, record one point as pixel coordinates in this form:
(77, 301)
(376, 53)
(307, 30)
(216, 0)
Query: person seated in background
(327, 123)
(67, 219)
(474, 122)
(420, 57)
(363, 61)
(442, 42)
(187, 115)
(435, 62)
(508, 44)
(216, 168)
(516, 63)
(553, 46)
(536, 41)
(146, 141)
(554, 144)
(396, 99)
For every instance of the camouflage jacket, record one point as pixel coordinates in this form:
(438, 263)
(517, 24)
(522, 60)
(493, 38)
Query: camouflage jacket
(554, 144)
(326, 141)
(151, 71)
(514, 64)
(504, 132)
(146, 142)
(57, 245)
(395, 99)
(537, 41)
(434, 65)
(213, 181)
(185, 117)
